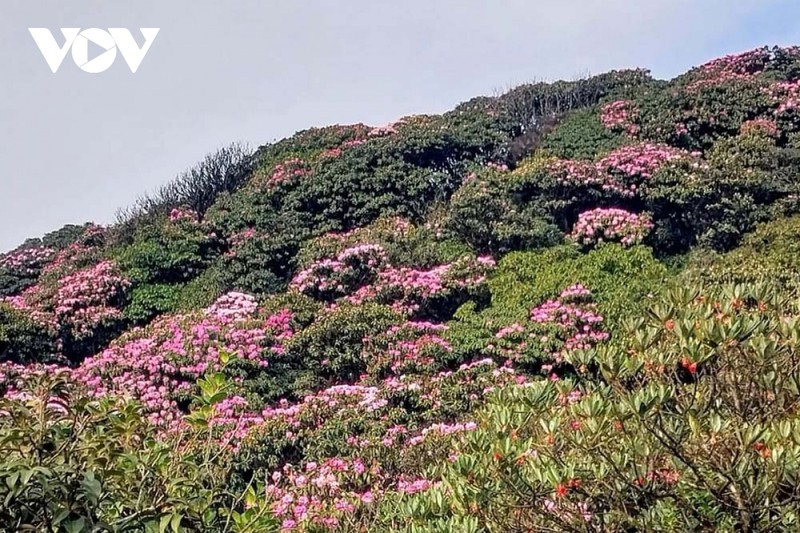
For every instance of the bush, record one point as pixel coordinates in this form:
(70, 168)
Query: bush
(621, 279)
(171, 251)
(716, 204)
(483, 213)
(771, 252)
(162, 258)
(148, 301)
(69, 460)
(262, 264)
(331, 346)
(22, 340)
(685, 426)
(581, 135)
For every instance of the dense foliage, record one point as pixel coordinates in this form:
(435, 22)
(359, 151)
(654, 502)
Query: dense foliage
(570, 307)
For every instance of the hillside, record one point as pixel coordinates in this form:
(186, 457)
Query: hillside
(570, 307)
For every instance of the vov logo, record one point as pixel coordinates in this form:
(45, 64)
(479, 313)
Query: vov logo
(108, 41)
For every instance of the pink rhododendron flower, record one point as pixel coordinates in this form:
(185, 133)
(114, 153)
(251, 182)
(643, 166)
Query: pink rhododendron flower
(610, 225)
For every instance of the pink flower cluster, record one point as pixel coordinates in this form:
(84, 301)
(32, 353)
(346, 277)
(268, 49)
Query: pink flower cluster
(287, 171)
(733, 67)
(442, 429)
(328, 278)
(413, 486)
(621, 171)
(620, 116)
(68, 297)
(408, 289)
(411, 347)
(237, 240)
(760, 126)
(610, 225)
(382, 131)
(573, 313)
(569, 322)
(362, 273)
(28, 261)
(67, 259)
(183, 214)
(642, 159)
(353, 142)
(30, 303)
(500, 167)
(14, 377)
(160, 364)
(321, 495)
(330, 153)
(89, 297)
(785, 95)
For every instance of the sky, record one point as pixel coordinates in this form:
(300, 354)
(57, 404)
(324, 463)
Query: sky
(76, 146)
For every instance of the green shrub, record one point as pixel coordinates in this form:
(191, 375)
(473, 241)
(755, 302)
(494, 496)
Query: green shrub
(484, 214)
(581, 135)
(161, 259)
(717, 203)
(149, 301)
(68, 462)
(168, 252)
(685, 426)
(203, 290)
(331, 346)
(771, 252)
(621, 279)
(695, 118)
(261, 265)
(22, 340)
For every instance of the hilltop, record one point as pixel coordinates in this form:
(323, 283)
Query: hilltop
(569, 307)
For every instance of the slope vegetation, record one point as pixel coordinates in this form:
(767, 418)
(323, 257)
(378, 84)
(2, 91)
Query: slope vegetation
(571, 307)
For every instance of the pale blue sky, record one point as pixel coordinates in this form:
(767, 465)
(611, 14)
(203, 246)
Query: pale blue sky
(77, 146)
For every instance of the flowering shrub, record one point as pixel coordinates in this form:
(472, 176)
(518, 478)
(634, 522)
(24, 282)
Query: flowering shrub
(56, 254)
(28, 261)
(673, 421)
(555, 328)
(160, 365)
(412, 347)
(760, 126)
(361, 274)
(639, 159)
(331, 278)
(620, 115)
(360, 441)
(183, 215)
(610, 225)
(77, 308)
(786, 95)
(88, 297)
(389, 233)
(287, 171)
(420, 292)
(621, 280)
(733, 67)
(69, 460)
(622, 171)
